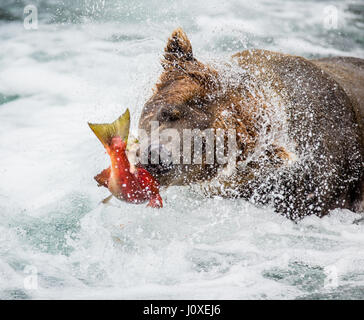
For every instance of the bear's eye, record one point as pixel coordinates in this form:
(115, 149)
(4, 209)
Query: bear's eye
(169, 114)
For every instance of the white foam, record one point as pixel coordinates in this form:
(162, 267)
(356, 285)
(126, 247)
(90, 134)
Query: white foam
(66, 75)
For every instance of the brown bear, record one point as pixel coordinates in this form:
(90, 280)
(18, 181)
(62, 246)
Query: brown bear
(299, 126)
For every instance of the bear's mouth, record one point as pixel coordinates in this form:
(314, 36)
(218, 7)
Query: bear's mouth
(158, 169)
(159, 160)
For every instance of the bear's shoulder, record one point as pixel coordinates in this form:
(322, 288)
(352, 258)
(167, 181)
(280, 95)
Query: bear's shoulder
(266, 60)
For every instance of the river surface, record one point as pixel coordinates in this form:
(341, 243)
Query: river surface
(89, 60)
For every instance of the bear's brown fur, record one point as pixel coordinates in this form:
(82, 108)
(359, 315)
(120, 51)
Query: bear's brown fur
(299, 125)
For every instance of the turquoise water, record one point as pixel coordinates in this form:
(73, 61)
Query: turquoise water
(89, 60)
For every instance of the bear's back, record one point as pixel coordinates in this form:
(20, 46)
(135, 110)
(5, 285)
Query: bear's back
(349, 73)
(322, 123)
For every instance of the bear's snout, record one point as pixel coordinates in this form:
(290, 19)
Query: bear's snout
(159, 159)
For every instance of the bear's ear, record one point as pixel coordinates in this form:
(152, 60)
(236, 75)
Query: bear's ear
(178, 49)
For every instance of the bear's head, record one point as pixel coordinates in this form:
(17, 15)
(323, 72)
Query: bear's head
(176, 121)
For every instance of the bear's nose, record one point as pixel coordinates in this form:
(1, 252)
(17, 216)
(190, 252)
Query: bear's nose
(159, 159)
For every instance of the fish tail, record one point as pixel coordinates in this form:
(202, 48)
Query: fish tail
(106, 131)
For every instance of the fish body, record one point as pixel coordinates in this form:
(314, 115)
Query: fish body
(131, 184)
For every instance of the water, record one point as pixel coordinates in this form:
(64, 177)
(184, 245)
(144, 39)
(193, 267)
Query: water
(89, 60)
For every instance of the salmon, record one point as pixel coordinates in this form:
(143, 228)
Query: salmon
(132, 184)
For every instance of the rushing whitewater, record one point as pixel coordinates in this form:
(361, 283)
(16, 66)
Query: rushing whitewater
(89, 60)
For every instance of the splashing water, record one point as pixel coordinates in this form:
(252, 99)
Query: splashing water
(88, 61)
